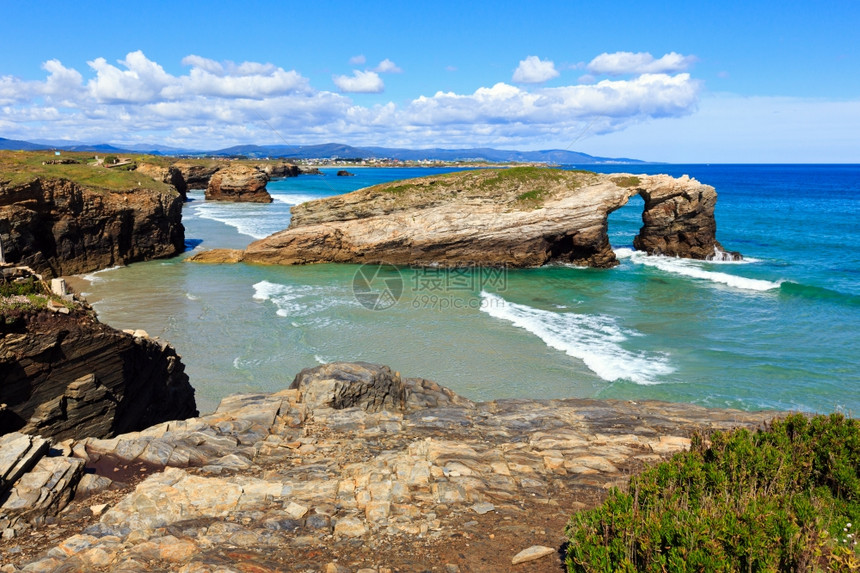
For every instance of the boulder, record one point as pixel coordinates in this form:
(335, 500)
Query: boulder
(238, 183)
(342, 385)
(345, 173)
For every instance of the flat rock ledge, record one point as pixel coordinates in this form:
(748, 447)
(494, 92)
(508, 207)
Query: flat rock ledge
(353, 469)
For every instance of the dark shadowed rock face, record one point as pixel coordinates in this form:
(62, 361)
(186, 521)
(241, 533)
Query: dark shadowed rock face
(238, 183)
(58, 227)
(71, 376)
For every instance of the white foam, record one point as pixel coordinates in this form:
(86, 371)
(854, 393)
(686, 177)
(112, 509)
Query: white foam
(247, 220)
(93, 277)
(320, 359)
(596, 340)
(294, 198)
(694, 269)
(622, 253)
(295, 300)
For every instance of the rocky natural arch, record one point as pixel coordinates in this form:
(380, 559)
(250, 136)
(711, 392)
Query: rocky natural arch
(521, 217)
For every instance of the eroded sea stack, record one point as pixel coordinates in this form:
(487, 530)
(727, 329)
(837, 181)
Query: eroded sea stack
(519, 217)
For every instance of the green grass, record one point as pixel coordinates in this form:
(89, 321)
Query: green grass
(533, 198)
(20, 167)
(786, 498)
(29, 294)
(629, 181)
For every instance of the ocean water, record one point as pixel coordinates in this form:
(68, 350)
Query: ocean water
(780, 330)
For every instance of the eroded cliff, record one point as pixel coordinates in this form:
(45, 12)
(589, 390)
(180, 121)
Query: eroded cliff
(519, 217)
(61, 227)
(63, 374)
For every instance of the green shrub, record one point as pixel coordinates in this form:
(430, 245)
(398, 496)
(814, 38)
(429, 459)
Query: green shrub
(785, 498)
(21, 288)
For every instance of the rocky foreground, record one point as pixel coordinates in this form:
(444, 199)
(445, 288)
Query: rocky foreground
(518, 217)
(351, 469)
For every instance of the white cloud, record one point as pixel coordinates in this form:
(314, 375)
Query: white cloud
(386, 66)
(358, 60)
(619, 63)
(533, 70)
(224, 103)
(141, 81)
(359, 82)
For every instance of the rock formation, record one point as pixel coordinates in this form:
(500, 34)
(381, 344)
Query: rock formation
(345, 173)
(238, 183)
(171, 175)
(67, 375)
(59, 227)
(196, 174)
(520, 217)
(301, 480)
(279, 169)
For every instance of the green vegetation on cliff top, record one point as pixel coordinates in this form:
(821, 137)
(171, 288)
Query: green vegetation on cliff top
(784, 498)
(21, 167)
(520, 187)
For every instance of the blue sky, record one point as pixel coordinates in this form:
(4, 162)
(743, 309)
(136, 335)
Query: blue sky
(663, 81)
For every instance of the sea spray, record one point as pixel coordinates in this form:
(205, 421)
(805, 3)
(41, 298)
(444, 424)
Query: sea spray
(694, 269)
(594, 339)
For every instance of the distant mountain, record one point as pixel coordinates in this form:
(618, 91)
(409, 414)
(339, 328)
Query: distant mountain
(342, 151)
(17, 144)
(334, 150)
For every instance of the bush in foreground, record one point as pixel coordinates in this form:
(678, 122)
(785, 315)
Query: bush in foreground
(784, 498)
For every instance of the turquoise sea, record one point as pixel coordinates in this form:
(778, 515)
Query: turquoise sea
(780, 330)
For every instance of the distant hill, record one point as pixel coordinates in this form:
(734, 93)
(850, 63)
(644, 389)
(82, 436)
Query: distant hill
(339, 150)
(333, 150)
(22, 145)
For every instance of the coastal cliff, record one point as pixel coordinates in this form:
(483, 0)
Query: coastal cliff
(61, 227)
(67, 375)
(64, 374)
(519, 217)
(352, 467)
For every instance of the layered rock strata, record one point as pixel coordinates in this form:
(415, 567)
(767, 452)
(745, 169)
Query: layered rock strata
(520, 217)
(356, 469)
(238, 183)
(67, 375)
(59, 227)
(171, 175)
(196, 175)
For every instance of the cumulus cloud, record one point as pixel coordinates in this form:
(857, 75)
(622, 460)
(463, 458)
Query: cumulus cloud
(359, 82)
(386, 66)
(358, 60)
(221, 103)
(619, 63)
(533, 70)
